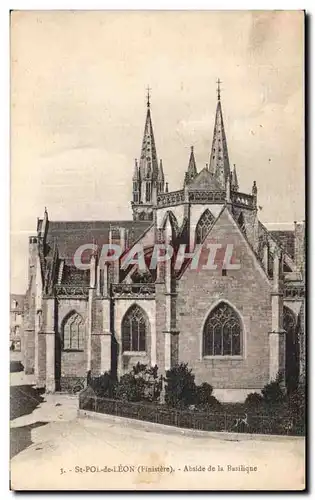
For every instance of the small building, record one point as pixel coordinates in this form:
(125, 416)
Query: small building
(16, 320)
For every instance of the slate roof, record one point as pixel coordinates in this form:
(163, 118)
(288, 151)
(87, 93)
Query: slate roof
(69, 235)
(286, 239)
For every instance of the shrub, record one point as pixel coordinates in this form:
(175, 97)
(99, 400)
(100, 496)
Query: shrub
(141, 384)
(180, 389)
(203, 393)
(130, 388)
(297, 408)
(253, 400)
(103, 386)
(273, 392)
(212, 404)
(152, 381)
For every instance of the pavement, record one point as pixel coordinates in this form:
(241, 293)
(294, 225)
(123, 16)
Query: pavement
(53, 448)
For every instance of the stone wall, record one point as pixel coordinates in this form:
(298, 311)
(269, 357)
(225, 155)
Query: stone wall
(248, 291)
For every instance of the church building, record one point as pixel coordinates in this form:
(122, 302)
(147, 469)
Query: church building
(237, 327)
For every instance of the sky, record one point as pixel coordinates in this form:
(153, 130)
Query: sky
(78, 104)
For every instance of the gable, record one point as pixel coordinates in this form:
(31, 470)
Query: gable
(225, 231)
(205, 180)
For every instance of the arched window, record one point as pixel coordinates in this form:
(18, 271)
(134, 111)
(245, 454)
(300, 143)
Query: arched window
(222, 334)
(204, 225)
(134, 329)
(292, 348)
(73, 332)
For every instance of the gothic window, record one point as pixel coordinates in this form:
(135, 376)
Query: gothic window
(135, 197)
(134, 330)
(204, 225)
(222, 332)
(73, 333)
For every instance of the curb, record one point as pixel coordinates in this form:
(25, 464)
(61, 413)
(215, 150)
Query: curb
(169, 429)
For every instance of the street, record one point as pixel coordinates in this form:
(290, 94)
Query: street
(53, 448)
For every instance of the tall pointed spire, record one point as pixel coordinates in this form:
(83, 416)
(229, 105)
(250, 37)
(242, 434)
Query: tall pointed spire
(234, 181)
(148, 159)
(219, 164)
(191, 172)
(150, 180)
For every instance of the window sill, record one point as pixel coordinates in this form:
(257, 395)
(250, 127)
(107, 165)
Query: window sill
(237, 357)
(134, 353)
(72, 350)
